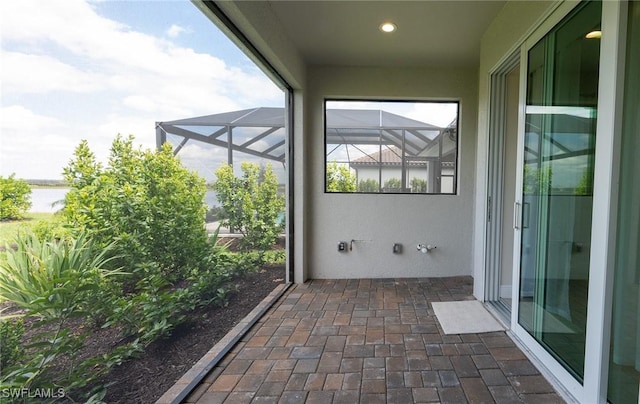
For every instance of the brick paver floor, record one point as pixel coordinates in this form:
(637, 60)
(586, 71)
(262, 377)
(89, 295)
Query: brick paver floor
(371, 341)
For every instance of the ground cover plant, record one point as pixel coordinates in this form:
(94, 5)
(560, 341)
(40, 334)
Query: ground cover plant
(128, 260)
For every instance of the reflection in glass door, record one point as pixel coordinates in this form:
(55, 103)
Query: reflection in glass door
(557, 195)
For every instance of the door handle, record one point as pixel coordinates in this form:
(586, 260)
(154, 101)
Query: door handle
(517, 215)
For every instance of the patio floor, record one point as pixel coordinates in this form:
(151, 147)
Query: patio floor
(371, 341)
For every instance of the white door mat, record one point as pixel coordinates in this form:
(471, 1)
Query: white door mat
(465, 317)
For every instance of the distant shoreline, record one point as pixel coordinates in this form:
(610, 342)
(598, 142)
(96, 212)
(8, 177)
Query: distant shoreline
(37, 184)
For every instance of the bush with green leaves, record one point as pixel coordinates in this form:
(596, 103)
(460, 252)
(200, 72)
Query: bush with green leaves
(585, 185)
(53, 279)
(156, 309)
(392, 184)
(275, 257)
(216, 214)
(15, 198)
(146, 201)
(418, 185)
(368, 185)
(11, 350)
(537, 181)
(54, 282)
(251, 203)
(339, 178)
(54, 228)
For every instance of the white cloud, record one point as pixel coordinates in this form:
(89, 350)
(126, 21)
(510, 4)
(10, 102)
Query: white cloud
(27, 73)
(141, 127)
(80, 75)
(140, 102)
(32, 145)
(18, 118)
(195, 150)
(139, 62)
(175, 30)
(202, 157)
(439, 114)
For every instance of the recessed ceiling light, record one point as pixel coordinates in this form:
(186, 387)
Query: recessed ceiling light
(388, 27)
(594, 35)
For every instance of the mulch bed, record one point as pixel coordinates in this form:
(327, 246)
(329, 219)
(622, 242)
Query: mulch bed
(146, 378)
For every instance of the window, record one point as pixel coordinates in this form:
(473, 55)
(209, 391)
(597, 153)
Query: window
(391, 147)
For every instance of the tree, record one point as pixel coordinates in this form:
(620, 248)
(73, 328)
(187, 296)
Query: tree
(340, 178)
(146, 201)
(251, 203)
(15, 198)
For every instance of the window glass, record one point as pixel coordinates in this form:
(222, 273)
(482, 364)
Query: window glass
(391, 147)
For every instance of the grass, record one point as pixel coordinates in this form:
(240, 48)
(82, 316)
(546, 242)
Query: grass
(8, 230)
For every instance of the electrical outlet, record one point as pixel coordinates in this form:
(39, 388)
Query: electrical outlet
(397, 248)
(342, 246)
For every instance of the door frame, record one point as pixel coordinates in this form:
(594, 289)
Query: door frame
(495, 183)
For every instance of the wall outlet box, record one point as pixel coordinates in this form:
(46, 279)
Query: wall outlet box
(397, 248)
(342, 246)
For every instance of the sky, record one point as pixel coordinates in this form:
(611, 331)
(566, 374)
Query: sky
(92, 69)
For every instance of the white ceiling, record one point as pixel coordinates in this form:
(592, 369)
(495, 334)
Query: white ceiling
(345, 33)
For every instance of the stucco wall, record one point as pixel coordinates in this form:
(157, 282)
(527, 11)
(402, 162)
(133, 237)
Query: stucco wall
(381, 220)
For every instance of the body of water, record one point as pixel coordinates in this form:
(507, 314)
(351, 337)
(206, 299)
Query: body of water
(49, 200)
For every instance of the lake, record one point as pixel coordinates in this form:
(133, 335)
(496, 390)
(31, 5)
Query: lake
(48, 199)
(45, 199)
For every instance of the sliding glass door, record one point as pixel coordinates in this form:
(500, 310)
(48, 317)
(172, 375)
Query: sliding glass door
(554, 212)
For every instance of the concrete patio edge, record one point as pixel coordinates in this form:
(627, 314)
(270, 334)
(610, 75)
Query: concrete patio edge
(190, 380)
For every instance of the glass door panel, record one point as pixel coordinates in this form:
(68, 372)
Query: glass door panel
(559, 150)
(624, 361)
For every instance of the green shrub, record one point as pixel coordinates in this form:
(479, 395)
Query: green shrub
(156, 309)
(585, 185)
(275, 257)
(418, 185)
(54, 281)
(146, 201)
(215, 214)
(52, 229)
(369, 185)
(339, 178)
(15, 198)
(11, 351)
(251, 203)
(392, 184)
(537, 181)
